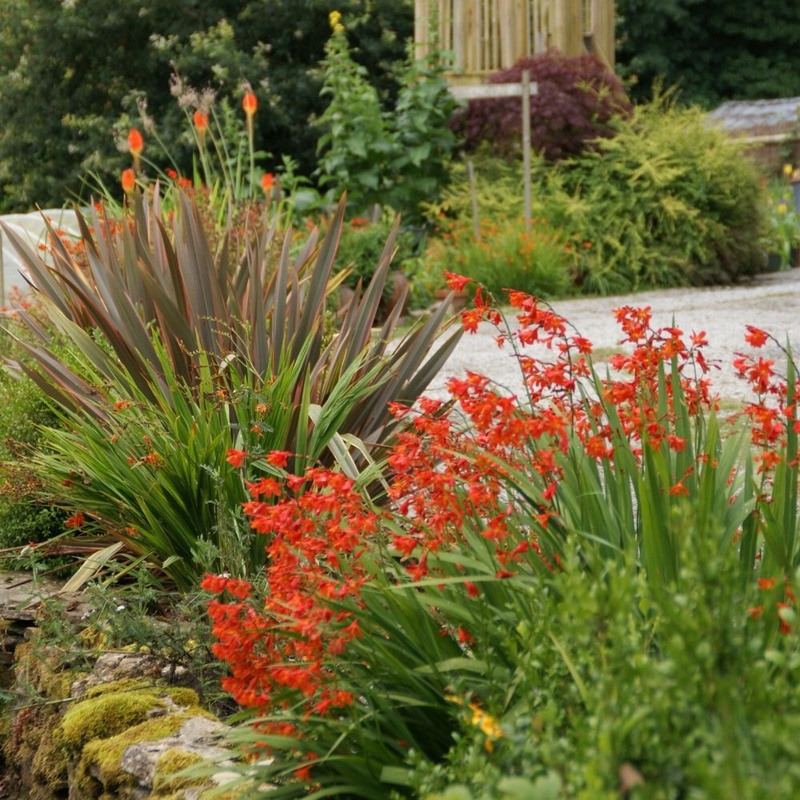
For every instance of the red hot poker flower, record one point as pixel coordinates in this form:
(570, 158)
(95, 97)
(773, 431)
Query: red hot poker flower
(249, 103)
(200, 121)
(135, 145)
(128, 180)
(135, 142)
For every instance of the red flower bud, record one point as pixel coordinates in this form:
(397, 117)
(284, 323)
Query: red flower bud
(249, 104)
(128, 180)
(201, 121)
(135, 142)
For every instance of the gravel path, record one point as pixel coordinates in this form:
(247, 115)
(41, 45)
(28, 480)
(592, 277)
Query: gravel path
(771, 302)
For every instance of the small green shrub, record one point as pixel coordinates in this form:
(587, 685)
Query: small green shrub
(667, 201)
(504, 255)
(361, 247)
(24, 409)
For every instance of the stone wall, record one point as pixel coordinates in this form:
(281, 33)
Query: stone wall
(118, 728)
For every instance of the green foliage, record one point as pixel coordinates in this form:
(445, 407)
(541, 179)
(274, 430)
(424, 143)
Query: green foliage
(783, 219)
(397, 159)
(424, 139)
(712, 51)
(354, 144)
(504, 255)
(23, 410)
(61, 92)
(179, 358)
(362, 244)
(665, 202)
(679, 691)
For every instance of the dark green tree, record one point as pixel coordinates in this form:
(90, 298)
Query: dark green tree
(713, 50)
(73, 74)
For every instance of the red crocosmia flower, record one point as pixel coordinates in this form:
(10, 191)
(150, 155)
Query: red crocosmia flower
(135, 142)
(755, 336)
(766, 583)
(128, 180)
(249, 104)
(456, 282)
(75, 521)
(279, 458)
(267, 182)
(214, 583)
(235, 457)
(200, 119)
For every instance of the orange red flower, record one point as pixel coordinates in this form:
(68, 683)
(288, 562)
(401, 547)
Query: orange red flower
(249, 103)
(128, 180)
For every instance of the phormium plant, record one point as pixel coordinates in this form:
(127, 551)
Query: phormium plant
(183, 357)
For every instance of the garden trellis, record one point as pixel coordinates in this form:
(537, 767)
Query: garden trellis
(487, 35)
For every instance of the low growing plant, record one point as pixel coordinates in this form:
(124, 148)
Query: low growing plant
(503, 255)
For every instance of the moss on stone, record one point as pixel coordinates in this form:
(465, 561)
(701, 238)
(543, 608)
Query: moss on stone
(171, 762)
(121, 685)
(40, 668)
(99, 767)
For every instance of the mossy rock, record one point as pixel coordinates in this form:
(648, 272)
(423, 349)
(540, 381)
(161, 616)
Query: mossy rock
(41, 668)
(106, 715)
(173, 761)
(99, 771)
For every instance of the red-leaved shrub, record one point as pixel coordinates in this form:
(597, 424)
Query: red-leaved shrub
(577, 99)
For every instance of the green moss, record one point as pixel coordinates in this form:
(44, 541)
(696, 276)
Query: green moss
(40, 668)
(106, 715)
(171, 762)
(101, 758)
(115, 687)
(184, 696)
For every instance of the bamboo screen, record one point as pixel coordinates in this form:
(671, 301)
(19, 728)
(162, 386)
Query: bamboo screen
(487, 35)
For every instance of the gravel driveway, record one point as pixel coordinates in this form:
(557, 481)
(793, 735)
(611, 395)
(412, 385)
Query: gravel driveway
(771, 302)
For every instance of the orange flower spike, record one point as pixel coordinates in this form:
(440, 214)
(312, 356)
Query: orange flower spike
(128, 180)
(267, 182)
(250, 106)
(200, 119)
(135, 145)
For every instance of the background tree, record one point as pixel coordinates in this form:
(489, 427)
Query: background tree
(73, 71)
(714, 51)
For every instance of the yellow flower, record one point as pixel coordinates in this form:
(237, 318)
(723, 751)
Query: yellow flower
(335, 18)
(788, 169)
(486, 722)
(782, 208)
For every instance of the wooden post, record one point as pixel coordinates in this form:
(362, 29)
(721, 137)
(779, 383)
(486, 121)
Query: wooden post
(2, 272)
(524, 90)
(526, 145)
(473, 190)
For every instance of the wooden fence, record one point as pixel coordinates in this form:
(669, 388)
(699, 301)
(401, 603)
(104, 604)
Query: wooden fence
(487, 35)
